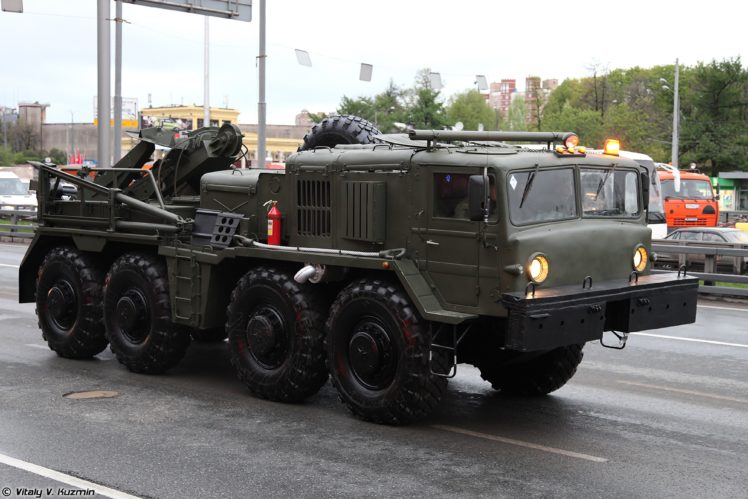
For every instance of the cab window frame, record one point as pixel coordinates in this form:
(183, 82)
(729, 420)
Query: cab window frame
(574, 183)
(492, 175)
(639, 193)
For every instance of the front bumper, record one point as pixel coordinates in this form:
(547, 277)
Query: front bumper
(566, 315)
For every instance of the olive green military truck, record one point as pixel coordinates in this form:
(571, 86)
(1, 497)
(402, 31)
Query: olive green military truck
(399, 257)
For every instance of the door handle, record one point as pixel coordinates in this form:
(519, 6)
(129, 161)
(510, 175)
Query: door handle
(432, 243)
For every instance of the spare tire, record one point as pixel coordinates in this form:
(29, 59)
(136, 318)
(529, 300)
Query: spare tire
(339, 130)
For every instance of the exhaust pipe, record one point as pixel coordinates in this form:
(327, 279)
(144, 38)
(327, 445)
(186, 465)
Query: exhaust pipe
(311, 273)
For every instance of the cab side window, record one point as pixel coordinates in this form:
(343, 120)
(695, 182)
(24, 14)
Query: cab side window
(451, 195)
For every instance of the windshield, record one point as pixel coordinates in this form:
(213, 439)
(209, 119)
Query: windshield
(541, 196)
(656, 209)
(689, 189)
(607, 192)
(12, 187)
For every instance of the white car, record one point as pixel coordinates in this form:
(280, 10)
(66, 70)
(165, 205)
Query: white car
(14, 194)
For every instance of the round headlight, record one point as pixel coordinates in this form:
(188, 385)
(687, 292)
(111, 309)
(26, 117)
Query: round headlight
(640, 258)
(537, 268)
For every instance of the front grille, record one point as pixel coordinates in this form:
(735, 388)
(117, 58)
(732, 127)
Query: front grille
(313, 207)
(682, 222)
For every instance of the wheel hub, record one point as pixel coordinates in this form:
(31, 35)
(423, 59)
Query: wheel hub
(131, 315)
(62, 304)
(365, 353)
(266, 336)
(371, 355)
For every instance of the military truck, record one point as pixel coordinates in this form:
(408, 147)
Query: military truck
(380, 261)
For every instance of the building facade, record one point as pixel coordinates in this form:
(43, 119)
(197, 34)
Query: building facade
(500, 95)
(534, 98)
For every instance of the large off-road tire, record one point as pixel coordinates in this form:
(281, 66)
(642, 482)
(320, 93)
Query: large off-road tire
(339, 130)
(137, 315)
(276, 335)
(378, 354)
(68, 303)
(212, 335)
(538, 375)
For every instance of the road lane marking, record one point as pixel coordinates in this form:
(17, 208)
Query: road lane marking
(679, 338)
(724, 308)
(520, 443)
(686, 392)
(63, 478)
(10, 266)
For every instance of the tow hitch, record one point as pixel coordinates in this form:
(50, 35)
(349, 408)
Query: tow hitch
(622, 339)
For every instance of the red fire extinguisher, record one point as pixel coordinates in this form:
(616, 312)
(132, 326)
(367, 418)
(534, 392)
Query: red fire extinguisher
(274, 224)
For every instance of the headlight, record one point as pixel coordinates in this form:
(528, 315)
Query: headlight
(537, 268)
(640, 258)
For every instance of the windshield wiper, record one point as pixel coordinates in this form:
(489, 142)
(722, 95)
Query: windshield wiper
(528, 185)
(604, 179)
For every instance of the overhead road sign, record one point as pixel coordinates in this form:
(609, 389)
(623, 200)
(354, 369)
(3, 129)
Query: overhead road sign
(240, 10)
(12, 6)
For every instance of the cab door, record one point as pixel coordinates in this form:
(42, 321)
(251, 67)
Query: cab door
(450, 240)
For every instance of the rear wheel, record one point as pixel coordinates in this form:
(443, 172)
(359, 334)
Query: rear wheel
(69, 305)
(137, 315)
(276, 338)
(339, 130)
(522, 374)
(378, 354)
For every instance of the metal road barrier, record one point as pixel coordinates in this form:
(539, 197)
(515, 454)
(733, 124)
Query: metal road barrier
(712, 256)
(13, 229)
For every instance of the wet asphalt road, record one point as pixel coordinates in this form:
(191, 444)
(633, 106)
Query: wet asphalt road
(663, 418)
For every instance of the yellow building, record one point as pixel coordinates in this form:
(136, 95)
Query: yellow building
(186, 117)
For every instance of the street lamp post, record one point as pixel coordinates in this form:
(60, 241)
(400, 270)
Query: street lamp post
(676, 114)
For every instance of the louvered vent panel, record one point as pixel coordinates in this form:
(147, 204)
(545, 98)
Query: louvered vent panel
(314, 208)
(365, 211)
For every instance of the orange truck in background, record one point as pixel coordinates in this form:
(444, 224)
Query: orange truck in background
(688, 198)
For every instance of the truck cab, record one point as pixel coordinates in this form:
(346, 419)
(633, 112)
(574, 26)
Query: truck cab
(688, 196)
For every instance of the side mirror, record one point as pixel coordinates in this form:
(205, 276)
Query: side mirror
(645, 189)
(477, 193)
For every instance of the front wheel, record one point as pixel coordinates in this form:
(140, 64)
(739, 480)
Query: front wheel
(526, 374)
(378, 354)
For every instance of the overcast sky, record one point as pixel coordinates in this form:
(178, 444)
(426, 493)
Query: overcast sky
(49, 51)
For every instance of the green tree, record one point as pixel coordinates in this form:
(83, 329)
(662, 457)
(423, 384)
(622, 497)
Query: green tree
(517, 114)
(714, 125)
(586, 123)
(472, 110)
(361, 106)
(423, 105)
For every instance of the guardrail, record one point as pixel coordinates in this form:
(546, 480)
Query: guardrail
(14, 229)
(711, 252)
